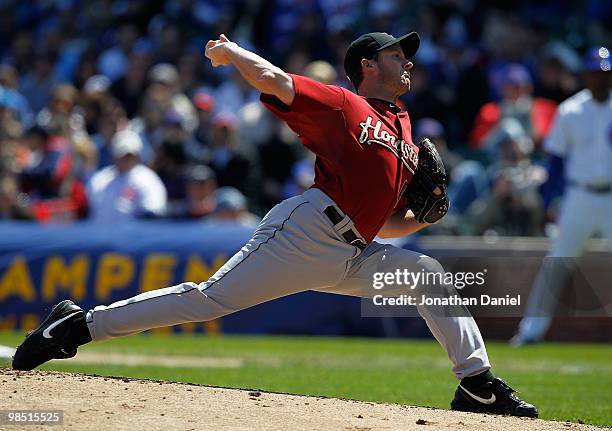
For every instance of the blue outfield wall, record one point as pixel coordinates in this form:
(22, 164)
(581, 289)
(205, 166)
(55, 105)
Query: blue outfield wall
(91, 264)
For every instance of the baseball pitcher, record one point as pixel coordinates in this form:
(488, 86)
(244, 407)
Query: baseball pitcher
(371, 179)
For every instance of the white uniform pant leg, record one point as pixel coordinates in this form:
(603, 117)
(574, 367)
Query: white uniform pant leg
(606, 222)
(291, 251)
(577, 222)
(457, 333)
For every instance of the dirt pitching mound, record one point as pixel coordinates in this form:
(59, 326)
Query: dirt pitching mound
(101, 403)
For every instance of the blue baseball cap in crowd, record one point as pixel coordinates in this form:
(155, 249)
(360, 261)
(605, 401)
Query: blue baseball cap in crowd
(516, 74)
(597, 59)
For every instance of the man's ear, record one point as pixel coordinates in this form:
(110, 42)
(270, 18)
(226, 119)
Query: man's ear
(367, 63)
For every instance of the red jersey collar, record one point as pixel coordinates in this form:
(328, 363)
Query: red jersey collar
(384, 104)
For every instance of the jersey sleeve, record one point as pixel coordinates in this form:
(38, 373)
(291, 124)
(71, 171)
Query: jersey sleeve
(316, 109)
(310, 96)
(557, 141)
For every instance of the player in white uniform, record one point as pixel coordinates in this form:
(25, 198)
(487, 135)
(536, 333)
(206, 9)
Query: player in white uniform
(580, 145)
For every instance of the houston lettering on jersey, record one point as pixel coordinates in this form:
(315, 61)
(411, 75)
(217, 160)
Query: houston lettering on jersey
(375, 134)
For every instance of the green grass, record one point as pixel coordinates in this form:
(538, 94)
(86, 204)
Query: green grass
(566, 381)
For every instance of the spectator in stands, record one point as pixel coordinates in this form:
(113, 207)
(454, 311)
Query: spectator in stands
(9, 83)
(93, 97)
(535, 115)
(114, 61)
(48, 163)
(188, 66)
(148, 123)
(170, 160)
(169, 37)
(59, 116)
(19, 51)
(85, 68)
(13, 204)
(231, 206)
(423, 100)
(38, 83)
(557, 69)
(64, 117)
(277, 157)
(231, 167)
(166, 76)
(49, 178)
(462, 71)
(514, 206)
(130, 88)
(93, 103)
(199, 199)
(198, 143)
(85, 155)
(128, 189)
(13, 155)
(108, 117)
(10, 125)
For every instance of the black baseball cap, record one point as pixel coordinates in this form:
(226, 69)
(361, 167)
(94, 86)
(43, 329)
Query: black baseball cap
(367, 45)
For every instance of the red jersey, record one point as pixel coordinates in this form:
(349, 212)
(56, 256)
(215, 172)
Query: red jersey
(364, 163)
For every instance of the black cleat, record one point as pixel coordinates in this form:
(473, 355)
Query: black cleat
(51, 340)
(492, 397)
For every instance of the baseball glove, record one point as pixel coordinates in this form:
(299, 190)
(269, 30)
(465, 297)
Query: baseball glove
(427, 206)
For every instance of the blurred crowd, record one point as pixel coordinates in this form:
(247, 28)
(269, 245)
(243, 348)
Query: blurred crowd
(109, 111)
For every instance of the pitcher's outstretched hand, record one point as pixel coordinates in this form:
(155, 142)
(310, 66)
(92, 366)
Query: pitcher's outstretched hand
(218, 51)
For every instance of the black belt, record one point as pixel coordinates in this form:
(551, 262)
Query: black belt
(593, 188)
(350, 236)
